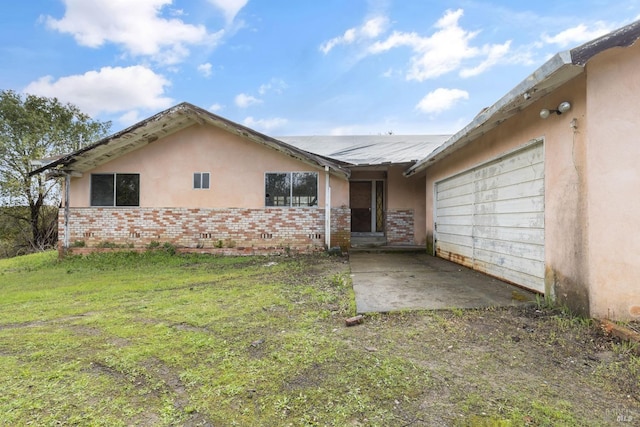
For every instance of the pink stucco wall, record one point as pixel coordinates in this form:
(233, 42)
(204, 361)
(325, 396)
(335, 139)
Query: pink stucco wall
(613, 181)
(237, 167)
(407, 195)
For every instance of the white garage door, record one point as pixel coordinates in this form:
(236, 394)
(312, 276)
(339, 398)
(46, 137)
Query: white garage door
(491, 218)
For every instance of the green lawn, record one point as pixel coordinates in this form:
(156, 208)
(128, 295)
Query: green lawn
(160, 339)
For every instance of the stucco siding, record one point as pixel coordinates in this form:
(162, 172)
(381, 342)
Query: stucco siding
(237, 167)
(613, 157)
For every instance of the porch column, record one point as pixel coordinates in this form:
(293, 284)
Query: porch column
(327, 209)
(67, 184)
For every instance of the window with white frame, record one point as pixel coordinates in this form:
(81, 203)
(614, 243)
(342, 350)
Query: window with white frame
(291, 189)
(201, 180)
(115, 189)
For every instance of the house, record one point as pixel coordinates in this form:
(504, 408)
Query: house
(197, 181)
(386, 208)
(542, 188)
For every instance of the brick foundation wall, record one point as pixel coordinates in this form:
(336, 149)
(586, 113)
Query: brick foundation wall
(400, 227)
(228, 231)
(341, 228)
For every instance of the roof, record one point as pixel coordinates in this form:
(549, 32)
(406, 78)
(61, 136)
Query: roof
(557, 71)
(364, 150)
(166, 123)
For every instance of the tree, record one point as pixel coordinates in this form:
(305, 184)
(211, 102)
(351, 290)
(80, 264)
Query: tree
(33, 127)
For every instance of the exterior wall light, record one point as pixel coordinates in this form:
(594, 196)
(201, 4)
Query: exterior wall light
(562, 108)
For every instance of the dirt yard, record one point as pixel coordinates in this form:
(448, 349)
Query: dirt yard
(485, 365)
(157, 339)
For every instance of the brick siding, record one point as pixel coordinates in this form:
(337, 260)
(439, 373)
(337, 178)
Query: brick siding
(400, 227)
(228, 231)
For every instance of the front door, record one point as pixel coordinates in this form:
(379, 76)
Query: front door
(366, 200)
(360, 203)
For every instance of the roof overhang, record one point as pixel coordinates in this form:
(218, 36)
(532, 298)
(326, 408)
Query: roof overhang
(557, 71)
(166, 123)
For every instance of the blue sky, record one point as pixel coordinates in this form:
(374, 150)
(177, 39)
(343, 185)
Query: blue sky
(292, 67)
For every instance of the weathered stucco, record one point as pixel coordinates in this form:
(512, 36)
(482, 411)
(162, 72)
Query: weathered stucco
(407, 193)
(613, 180)
(237, 167)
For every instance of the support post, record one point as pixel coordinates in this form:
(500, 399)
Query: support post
(327, 209)
(67, 184)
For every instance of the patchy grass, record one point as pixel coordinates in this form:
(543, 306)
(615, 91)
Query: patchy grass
(160, 339)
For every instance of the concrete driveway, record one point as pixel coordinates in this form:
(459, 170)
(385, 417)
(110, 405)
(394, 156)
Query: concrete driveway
(385, 282)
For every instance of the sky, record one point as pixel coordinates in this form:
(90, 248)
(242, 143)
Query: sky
(292, 67)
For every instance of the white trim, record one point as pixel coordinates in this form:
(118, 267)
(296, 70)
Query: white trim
(193, 187)
(327, 208)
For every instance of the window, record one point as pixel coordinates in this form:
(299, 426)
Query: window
(201, 180)
(291, 189)
(115, 189)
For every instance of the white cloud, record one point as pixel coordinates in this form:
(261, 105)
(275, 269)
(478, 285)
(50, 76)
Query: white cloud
(230, 8)
(442, 52)
(109, 90)
(579, 34)
(265, 125)
(441, 99)
(495, 53)
(243, 100)
(135, 25)
(214, 108)
(371, 29)
(129, 118)
(274, 85)
(205, 69)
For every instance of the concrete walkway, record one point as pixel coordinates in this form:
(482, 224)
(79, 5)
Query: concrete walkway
(408, 280)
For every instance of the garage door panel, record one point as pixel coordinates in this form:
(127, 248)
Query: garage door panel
(526, 173)
(524, 205)
(455, 239)
(533, 236)
(453, 193)
(518, 191)
(509, 262)
(523, 159)
(455, 220)
(456, 230)
(503, 216)
(519, 250)
(456, 182)
(463, 200)
(464, 257)
(455, 211)
(509, 219)
(517, 277)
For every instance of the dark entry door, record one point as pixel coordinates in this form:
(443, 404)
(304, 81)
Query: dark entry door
(360, 203)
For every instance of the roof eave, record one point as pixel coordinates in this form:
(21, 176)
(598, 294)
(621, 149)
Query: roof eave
(557, 71)
(167, 122)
